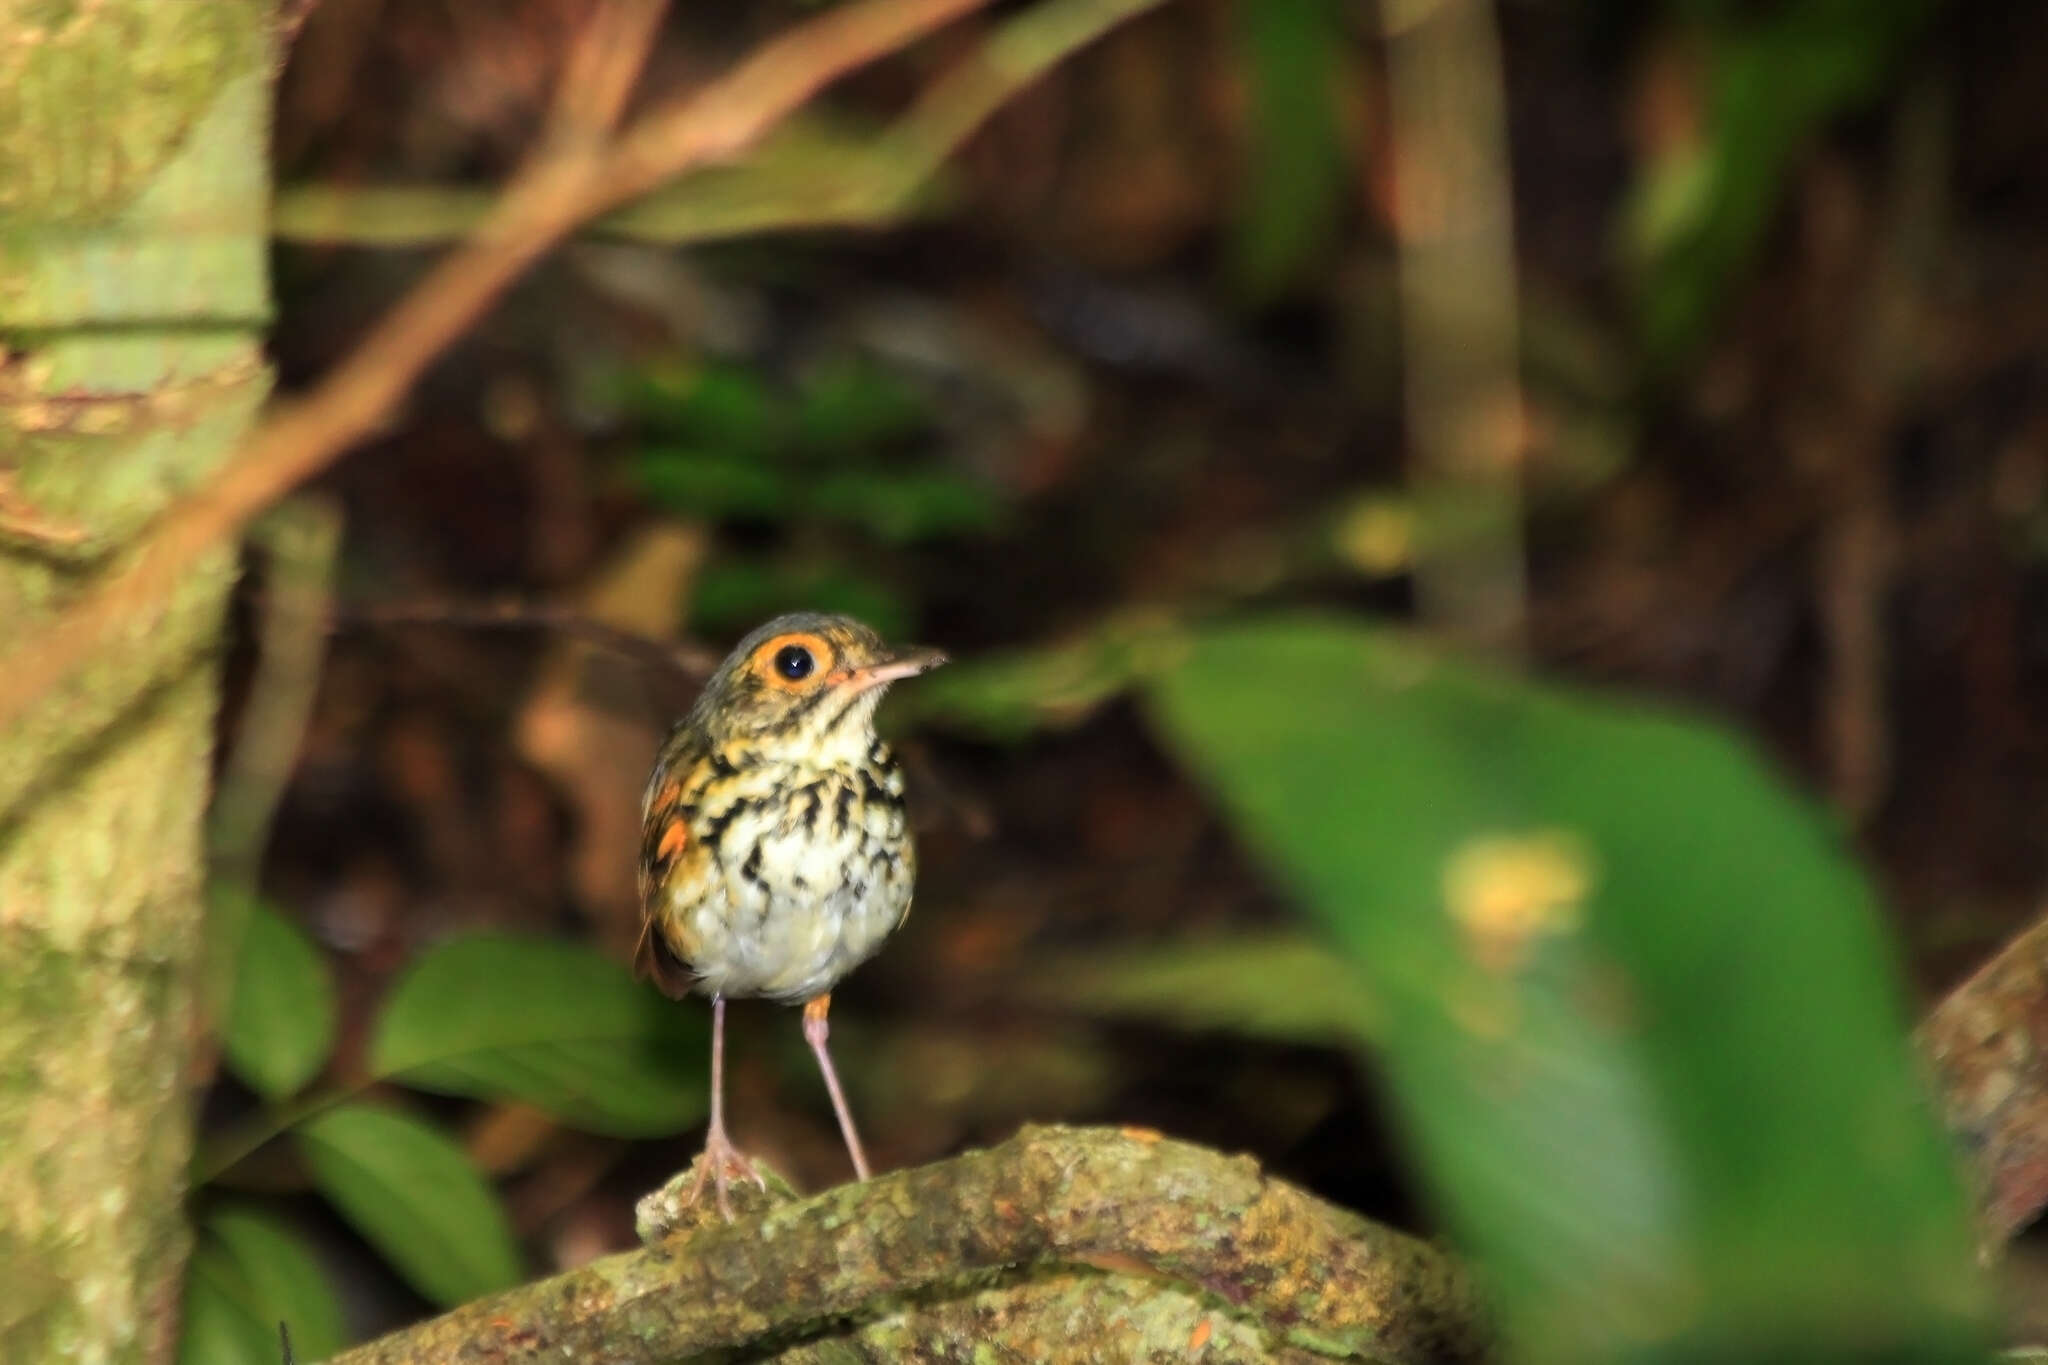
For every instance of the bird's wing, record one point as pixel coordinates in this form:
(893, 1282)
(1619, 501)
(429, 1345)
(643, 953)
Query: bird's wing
(676, 868)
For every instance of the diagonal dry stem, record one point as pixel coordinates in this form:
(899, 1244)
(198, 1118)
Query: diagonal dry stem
(606, 60)
(562, 188)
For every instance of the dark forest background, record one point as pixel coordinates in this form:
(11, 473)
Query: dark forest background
(1140, 362)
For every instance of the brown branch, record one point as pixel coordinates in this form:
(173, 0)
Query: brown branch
(1454, 224)
(558, 191)
(606, 60)
(1047, 1212)
(692, 662)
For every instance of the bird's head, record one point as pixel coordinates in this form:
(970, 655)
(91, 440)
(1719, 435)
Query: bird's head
(805, 686)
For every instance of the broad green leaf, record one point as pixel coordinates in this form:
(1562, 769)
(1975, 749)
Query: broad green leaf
(1638, 1012)
(249, 1273)
(280, 1026)
(554, 1024)
(413, 1195)
(1276, 985)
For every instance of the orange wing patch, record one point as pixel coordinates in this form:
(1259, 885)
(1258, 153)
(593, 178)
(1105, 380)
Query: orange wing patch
(669, 863)
(664, 833)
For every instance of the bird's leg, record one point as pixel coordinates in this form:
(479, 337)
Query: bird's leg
(721, 1160)
(816, 1031)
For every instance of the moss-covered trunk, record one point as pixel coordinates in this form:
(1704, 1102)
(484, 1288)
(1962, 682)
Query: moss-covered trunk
(132, 293)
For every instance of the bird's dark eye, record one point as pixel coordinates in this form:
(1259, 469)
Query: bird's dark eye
(794, 662)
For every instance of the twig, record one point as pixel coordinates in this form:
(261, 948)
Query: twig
(1212, 1232)
(683, 658)
(1453, 219)
(559, 190)
(1852, 403)
(303, 538)
(598, 78)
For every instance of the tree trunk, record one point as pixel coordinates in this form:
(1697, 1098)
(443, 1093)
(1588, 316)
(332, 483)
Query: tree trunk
(133, 192)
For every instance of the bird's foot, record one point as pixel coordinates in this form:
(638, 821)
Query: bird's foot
(719, 1164)
(676, 1207)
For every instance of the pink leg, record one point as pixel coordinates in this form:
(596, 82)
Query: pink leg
(816, 1031)
(721, 1160)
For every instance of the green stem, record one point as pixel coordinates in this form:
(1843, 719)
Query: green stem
(803, 177)
(222, 1154)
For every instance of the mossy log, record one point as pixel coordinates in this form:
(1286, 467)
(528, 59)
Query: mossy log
(1060, 1244)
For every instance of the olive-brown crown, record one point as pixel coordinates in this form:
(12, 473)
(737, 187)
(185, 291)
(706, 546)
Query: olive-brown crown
(804, 686)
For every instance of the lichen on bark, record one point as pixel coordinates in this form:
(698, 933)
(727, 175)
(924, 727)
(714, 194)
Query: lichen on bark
(132, 283)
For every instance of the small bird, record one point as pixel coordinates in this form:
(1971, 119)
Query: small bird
(775, 856)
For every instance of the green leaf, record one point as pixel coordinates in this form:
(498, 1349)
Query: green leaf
(851, 407)
(1283, 986)
(1294, 162)
(814, 169)
(903, 508)
(1010, 696)
(250, 1272)
(553, 1024)
(1776, 75)
(280, 1026)
(727, 409)
(716, 484)
(1639, 1016)
(221, 1323)
(414, 1196)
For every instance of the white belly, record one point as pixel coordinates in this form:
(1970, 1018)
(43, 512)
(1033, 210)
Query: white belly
(809, 887)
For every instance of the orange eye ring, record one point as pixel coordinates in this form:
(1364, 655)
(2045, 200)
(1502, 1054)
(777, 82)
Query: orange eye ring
(794, 662)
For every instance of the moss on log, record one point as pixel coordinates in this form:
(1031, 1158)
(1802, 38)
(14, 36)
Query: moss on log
(1137, 1247)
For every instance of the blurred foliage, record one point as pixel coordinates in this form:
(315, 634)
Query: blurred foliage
(250, 1272)
(1630, 995)
(845, 175)
(280, 1026)
(1287, 987)
(414, 1195)
(555, 1025)
(1772, 76)
(1637, 1012)
(845, 449)
(1294, 163)
(558, 1026)
(1014, 695)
